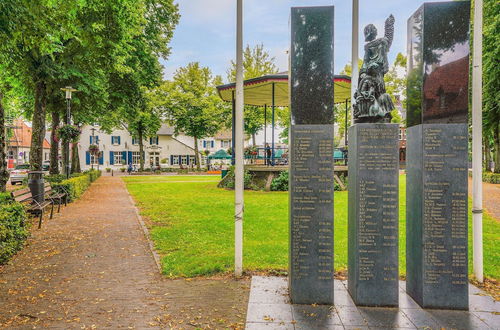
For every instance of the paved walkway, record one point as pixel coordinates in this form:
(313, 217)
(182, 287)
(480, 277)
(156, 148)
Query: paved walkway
(491, 198)
(91, 266)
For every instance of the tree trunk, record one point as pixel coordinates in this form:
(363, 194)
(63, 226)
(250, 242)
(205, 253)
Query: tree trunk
(141, 149)
(65, 149)
(4, 174)
(197, 154)
(75, 159)
(54, 143)
(38, 127)
(253, 139)
(487, 154)
(496, 139)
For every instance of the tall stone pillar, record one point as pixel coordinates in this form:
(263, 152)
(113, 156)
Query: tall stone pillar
(437, 158)
(311, 156)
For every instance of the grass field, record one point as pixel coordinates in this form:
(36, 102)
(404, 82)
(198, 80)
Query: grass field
(192, 226)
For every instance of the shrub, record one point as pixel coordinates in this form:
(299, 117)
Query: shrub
(228, 180)
(13, 227)
(491, 177)
(108, 170)
(280, 183)
(76, 186)
(122, 169)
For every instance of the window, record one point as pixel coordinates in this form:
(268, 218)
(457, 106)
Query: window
(136, 157)
(135, 141)
(225, 144)
(46, 156)
(153, 140)
(208, 144)
(115, 140)
(402, 134)
(94, 159)
(184, 160)
(94, 139)
(117, 157)
(175, 160)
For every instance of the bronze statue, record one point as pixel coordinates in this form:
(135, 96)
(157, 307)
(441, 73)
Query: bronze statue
(372, 103)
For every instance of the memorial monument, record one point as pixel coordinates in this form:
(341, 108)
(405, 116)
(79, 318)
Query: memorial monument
(437, 142)
(373, 181)
(311, 160)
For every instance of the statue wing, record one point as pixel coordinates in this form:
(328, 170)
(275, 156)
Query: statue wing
(389, 30)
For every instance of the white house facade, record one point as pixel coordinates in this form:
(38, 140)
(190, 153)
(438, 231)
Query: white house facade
(119, 148)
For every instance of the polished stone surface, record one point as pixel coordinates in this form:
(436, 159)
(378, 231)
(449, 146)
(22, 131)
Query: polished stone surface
(311, 214)
(373, 214)
(436, 215)
(270, 308)
(312, 71)
(311, 161)
(438, 63)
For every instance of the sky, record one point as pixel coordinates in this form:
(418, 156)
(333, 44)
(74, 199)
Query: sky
(206, 31)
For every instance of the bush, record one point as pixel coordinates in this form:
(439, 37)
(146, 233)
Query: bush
(122, 169)
(76, 186)
(280, 183)
(491, 177)
(108, 170)
(13, 227)
(228, 180)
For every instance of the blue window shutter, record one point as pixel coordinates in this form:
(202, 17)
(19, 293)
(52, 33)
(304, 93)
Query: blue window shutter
(101, 159)
(180, 159)
(212, 143)
(129, 157)
(119, 140)
(150, 140)
(204, 144)
(112, 138)
(90, 139)
(87, 158)
(124, 157)
(171, 159)
(111, 158)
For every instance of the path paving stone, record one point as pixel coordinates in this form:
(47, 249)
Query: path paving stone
(484, 311)
(91, 266)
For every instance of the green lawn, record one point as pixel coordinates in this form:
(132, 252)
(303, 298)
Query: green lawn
(193, 226)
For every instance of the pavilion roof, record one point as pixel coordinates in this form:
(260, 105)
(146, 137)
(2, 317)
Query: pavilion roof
(258, 91)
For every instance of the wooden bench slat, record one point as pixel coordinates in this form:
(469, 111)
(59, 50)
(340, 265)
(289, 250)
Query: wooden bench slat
(24, 191)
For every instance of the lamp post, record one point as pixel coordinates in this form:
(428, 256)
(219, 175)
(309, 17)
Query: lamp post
(93, 139)
(68, 90)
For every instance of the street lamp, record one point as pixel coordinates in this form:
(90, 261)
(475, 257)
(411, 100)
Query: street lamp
(93, 139)
(68, 90)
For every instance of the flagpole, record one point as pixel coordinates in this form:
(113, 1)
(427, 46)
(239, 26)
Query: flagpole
(238, 187)
(477, 132)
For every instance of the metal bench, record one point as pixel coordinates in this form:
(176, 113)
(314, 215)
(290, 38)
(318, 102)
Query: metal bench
(55, 196)
(25, 197)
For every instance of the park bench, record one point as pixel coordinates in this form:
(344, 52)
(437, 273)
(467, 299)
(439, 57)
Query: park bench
(25, 197)
(55, 196)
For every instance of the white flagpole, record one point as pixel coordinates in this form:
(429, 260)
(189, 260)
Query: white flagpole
(238, 187)
(354, 52)
(477, 133)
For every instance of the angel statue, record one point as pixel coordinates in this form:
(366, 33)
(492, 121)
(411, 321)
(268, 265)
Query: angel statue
(372, 104)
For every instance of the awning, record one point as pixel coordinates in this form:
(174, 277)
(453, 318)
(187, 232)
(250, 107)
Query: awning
(221, 154)
(258, 91)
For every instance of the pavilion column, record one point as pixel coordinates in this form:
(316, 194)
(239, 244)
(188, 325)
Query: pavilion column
(265, 132)
(272, 131)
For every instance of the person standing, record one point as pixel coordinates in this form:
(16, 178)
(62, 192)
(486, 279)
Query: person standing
(268, 155)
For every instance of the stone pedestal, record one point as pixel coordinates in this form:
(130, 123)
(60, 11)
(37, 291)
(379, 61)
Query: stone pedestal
(311, 156)
(373, 214)
(437, 142)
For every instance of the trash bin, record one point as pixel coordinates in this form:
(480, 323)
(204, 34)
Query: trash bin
(36, 183)
(223, 173)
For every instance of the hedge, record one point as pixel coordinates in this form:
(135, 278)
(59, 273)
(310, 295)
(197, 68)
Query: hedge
(77, 185)
(491, 177)
(13, 227)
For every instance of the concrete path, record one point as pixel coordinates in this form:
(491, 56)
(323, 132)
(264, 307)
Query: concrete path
(91, 267)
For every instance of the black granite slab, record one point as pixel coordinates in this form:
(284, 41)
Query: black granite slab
(436, 215)
(312, 71)
(373, 214)
(311, 156)
(311, 214)
(438, 63)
